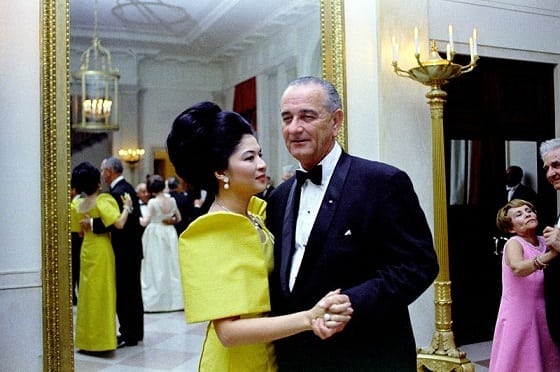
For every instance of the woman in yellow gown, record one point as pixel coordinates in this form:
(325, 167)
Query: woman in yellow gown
(96, 309)
(226, 255)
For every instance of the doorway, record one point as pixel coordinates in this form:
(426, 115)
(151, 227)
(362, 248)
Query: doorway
(501, 102)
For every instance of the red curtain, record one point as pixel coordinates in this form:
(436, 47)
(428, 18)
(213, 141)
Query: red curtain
(245, 100)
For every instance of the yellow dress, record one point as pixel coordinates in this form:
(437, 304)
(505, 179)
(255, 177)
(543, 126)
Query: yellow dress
(224, 272)
(96, 312)
(75, 223)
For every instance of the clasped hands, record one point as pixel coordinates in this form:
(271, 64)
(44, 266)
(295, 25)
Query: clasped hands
(552, 237)
(85, 223)
(331, 314)
(127, 201)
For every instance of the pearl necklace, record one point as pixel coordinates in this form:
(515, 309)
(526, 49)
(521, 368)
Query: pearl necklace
(223, 206)
(249, 215)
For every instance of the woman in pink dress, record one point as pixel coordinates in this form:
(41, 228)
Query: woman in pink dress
(522, 341)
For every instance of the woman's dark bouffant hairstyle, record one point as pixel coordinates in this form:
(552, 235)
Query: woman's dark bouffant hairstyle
(503, 221)
(156, 184)
(201, 140)
(86, 178)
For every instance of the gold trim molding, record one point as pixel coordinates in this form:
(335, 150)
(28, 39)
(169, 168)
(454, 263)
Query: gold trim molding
(333, 53)
(58, 352)
(58, 344)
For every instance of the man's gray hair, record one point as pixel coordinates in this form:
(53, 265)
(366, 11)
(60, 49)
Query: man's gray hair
(548, 146)
(113, 163)
(172, 183)
(333, 98)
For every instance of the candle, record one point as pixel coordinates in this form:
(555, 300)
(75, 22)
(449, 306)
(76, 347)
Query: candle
(451, 37)
(416, 46)
(449, 52)
(471, 47)
(395, 50)
(475, 48)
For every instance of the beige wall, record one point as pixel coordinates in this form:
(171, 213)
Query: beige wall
(20, 193)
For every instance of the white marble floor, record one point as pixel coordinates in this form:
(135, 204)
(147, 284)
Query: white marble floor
(170, 344)
(478, 354)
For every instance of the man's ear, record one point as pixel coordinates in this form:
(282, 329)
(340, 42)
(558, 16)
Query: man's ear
(338, 118)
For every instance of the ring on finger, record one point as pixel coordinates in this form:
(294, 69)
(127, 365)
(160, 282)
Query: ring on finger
(327, 317)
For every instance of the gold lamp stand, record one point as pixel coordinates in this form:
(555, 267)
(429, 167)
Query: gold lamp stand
(442, 354)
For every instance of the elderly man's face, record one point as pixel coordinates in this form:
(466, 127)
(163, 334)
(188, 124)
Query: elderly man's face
(142, 193)
(309, 129)
(107, 173)
(552, 167)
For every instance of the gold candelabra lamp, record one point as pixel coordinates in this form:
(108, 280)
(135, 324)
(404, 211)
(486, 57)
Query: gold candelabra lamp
(131, 156)
(442, 354)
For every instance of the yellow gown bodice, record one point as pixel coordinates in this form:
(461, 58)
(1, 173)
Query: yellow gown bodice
(224, 273)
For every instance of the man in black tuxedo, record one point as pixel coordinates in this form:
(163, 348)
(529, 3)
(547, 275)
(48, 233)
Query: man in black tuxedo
(185, 204)
(515, 189)
(269, 189)
(359, 228)
(127, 245)
(550, 155)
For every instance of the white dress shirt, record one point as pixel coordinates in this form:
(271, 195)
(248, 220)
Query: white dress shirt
(511, 190)
(309, 204)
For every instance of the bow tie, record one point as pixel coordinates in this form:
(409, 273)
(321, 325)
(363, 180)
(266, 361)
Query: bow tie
(315, 175)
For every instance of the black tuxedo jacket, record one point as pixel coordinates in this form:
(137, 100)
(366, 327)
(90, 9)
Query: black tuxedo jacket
(370, 239)
(552, 299)
(185, 204)
(525, 193)
(127, 241)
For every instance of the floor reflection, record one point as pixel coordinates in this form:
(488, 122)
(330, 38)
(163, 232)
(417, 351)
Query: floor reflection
(170, 344)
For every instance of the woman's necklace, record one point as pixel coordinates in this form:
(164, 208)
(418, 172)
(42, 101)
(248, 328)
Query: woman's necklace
(253, 219)
(223, 206)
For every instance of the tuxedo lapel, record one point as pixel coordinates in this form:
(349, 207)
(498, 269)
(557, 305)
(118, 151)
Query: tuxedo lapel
(288, 234)
(325, 216)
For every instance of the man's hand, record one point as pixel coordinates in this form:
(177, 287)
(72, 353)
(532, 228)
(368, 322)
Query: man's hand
(127, 202)
(86, 223)
(336, 311)
(552, 237)
(169, 220)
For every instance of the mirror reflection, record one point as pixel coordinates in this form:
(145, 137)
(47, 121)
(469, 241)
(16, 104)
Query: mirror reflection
(170, 54)
(173, 53)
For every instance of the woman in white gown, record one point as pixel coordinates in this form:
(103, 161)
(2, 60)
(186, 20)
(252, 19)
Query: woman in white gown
(161, 278)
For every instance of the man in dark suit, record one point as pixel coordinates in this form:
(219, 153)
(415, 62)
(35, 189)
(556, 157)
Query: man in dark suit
(550, 155)
(127, 245)
(515, 189)
(269, 188)
(360, 229)
(185, 204)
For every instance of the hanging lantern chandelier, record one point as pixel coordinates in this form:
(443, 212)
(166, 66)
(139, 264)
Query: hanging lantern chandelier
(97, 105)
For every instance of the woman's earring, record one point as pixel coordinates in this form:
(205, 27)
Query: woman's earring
(226, 183)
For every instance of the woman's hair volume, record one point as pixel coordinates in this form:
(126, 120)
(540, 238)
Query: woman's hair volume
(201, 140)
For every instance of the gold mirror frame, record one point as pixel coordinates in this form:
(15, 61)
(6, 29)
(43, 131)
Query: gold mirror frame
(58, 350)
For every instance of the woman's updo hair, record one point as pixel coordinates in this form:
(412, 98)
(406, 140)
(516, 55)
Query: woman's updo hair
(156, 184)
(86, 178)
(201, 140)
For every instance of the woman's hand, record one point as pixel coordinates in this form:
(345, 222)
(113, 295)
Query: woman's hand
(127, 201)
(331, 314)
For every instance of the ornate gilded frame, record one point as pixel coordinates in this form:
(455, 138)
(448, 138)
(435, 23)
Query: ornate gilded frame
(58, 351)
(333, 52)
